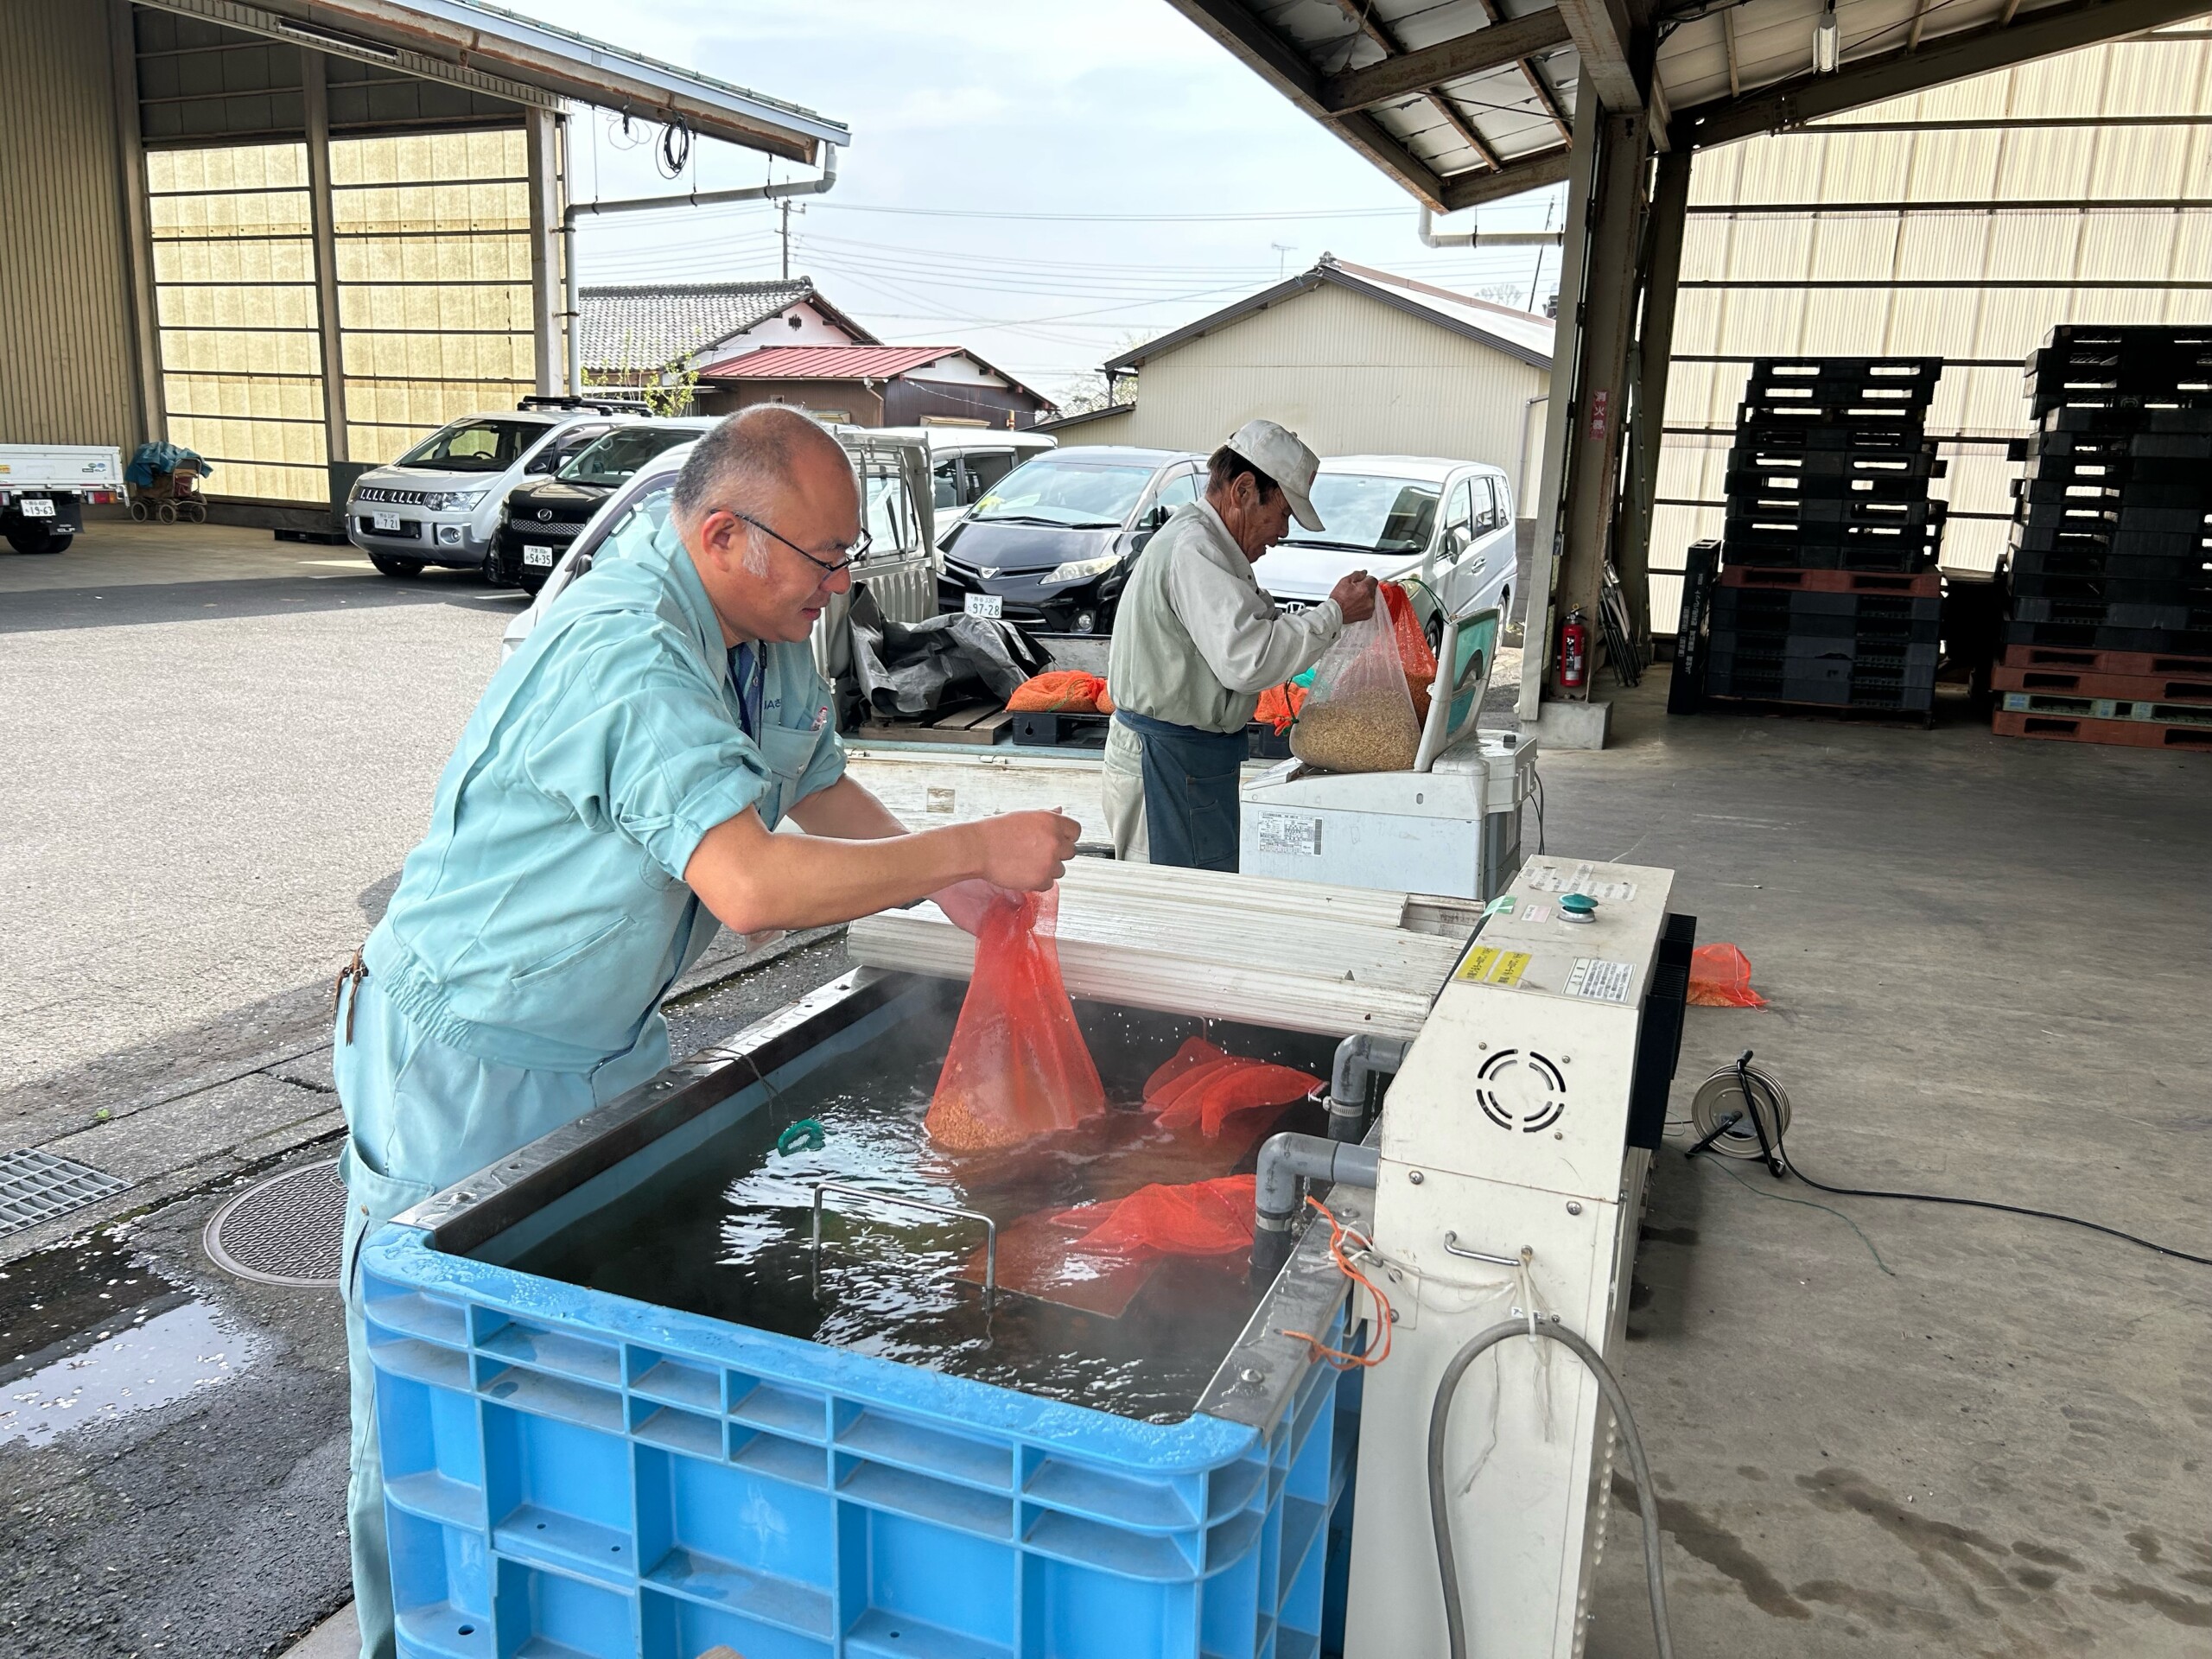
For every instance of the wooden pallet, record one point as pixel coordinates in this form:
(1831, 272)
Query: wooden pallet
(2123, 734)
(2131, 688)
(971, 724)
(1925, 584)
(2091, 661)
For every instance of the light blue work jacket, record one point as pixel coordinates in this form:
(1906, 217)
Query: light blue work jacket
(543, 917)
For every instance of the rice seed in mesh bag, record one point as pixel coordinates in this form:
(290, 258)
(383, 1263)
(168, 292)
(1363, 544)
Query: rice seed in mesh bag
(1359, 716)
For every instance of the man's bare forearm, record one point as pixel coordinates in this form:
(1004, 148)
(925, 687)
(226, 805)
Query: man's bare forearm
(754, 880)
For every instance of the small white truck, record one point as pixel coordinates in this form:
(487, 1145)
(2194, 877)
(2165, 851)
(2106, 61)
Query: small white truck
(44, 488)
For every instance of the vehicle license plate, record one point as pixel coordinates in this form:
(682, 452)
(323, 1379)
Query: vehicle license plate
(37, 507)
(385, 520)
(990, 604)
(537, 556)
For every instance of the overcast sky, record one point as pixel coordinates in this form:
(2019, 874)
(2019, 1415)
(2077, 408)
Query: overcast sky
(1045, 181)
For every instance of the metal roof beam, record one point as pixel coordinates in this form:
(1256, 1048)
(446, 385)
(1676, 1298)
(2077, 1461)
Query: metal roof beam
(1430, 67)
(1957, 57)
(1230, 25)
(1604, 36)
(1472, 189)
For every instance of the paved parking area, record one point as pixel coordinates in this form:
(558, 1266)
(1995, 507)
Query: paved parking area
(221, 747)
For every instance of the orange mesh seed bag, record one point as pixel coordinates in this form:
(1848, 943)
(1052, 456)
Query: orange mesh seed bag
(1069, 691)
(1721, 977)
(1017, 1067)
(1203, 1218)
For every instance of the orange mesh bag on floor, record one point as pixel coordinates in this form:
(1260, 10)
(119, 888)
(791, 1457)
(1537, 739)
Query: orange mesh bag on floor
(1203, 1218)
(1017, 1067)
(1218, 1094)
(1063, 691)
(1721, 977)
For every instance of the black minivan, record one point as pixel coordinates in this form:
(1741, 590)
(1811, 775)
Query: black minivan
(1051, 546)
(546, 514)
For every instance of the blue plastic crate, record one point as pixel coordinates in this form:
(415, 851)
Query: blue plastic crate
(569, 1473)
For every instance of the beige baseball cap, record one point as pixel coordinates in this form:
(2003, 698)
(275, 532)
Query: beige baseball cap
(1276, 451)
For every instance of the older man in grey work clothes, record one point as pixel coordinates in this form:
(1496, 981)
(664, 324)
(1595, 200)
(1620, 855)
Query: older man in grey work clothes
(1195, 644)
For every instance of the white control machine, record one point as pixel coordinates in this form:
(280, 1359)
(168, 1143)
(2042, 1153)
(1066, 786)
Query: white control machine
(1515, 1142)
(1450, 826)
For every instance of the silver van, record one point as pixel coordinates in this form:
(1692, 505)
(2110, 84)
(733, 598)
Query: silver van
(900, 567)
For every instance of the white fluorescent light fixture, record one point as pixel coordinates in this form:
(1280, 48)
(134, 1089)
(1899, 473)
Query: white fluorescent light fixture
(329, 41)
(1825, 50)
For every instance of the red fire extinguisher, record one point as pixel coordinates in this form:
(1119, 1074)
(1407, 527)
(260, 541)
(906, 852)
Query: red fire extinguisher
(1573, 651)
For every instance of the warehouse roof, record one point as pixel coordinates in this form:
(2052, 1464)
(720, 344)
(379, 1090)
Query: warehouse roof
(1466, 101)
(1518, 334)
(500, 53)
(649, 325)
(849, 363)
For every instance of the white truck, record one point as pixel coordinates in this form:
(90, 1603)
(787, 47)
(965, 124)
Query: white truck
(44, 488)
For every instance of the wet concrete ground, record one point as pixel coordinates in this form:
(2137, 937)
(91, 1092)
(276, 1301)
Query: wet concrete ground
(173, 1440)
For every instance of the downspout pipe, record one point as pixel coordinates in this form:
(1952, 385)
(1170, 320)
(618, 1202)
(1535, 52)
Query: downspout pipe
(1285, 1161)
(1480, 238)
(572, 287)
(1359, 1061)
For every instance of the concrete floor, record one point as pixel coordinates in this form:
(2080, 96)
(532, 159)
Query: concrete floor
(1987, 961)
(1984, 956)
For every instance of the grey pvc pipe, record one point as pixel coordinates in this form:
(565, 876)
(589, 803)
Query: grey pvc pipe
(1285, 1160)
(1360, 1059)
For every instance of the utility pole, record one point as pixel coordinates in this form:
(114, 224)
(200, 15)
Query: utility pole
(783, 208)
(1282, 253)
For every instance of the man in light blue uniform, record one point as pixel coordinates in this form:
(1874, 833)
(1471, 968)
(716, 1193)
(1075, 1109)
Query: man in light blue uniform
(612, 802)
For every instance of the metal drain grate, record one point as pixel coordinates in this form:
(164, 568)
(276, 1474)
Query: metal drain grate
(37, 1186)
(289, 1229)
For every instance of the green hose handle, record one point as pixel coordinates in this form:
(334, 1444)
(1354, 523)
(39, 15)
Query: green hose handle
(807, 1129)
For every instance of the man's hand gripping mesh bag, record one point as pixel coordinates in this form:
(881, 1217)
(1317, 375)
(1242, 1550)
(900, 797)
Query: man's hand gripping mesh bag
(1364, 711)
(1018, 1067)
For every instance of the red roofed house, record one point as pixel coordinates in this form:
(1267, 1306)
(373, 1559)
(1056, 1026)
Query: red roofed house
(873, 385)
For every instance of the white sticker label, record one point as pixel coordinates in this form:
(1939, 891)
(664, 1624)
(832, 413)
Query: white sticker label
(1535, 912)
(1599, 980)
(936, 800)
(1287, 832)
(1584, 879)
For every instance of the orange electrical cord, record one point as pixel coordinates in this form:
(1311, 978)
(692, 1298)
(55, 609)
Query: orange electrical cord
(1337, 1359)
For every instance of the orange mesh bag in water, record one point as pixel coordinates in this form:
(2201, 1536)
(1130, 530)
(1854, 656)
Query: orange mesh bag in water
(1218, 1095)
(1017, 1067)
(1201, 1218)
(1721, 977)
(1195, 1052)
(1068, 691)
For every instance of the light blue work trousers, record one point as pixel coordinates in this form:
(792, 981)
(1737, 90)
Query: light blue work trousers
(422, 1115)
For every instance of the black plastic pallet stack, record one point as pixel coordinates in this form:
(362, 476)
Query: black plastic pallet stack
(1828, 593)
(2112, 528)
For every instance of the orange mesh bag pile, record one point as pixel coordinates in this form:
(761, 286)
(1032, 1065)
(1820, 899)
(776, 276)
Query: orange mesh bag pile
(1018, 1067)
(1063, 691)
(1721, 977)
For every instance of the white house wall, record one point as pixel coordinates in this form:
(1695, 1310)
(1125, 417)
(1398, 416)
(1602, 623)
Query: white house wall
(1348, 374)
(813, 329)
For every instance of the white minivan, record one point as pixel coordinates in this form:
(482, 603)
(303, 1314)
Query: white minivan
(965, 461)
(1443, 528)
(440, 502)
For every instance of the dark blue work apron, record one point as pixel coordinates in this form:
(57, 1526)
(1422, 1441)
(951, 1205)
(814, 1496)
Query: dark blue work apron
(1190, 791)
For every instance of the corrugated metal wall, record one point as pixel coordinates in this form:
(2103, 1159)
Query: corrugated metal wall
(1348, 375)
(1906, 229)
(66, 354)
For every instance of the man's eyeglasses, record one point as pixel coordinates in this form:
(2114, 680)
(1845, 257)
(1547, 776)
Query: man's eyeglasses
(855, 549)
